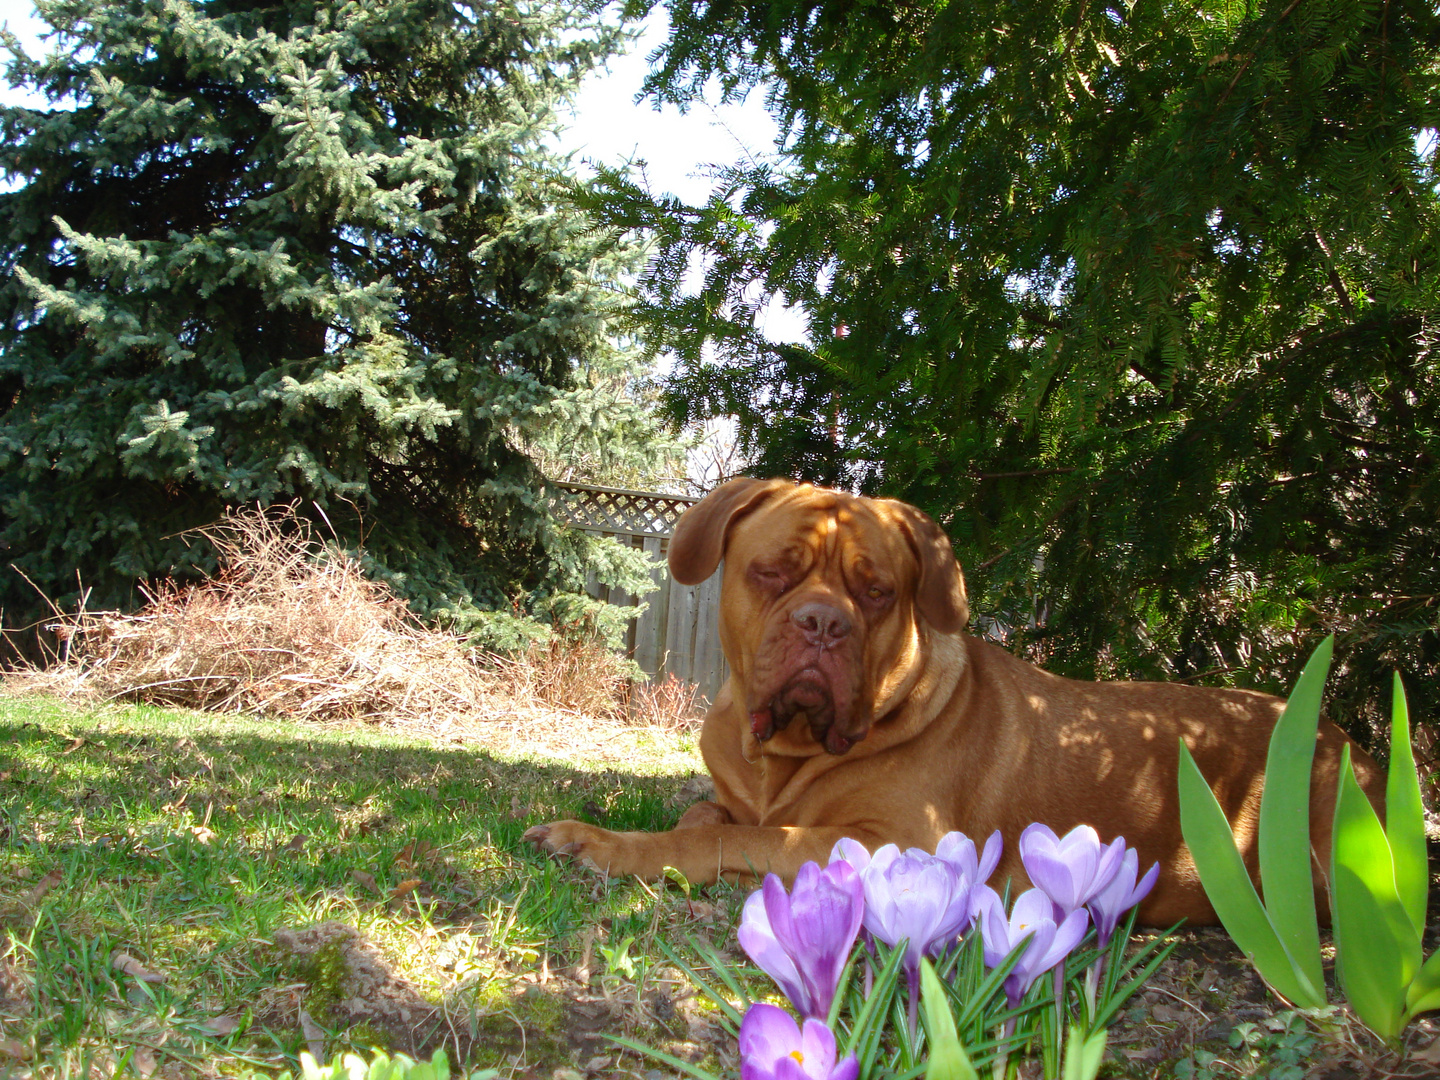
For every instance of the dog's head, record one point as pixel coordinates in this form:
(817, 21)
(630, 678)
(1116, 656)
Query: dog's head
(825, 599)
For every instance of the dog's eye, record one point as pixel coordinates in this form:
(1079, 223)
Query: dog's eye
(875, 592)
(768, 579)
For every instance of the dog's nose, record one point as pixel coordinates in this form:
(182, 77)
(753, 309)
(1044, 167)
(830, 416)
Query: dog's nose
(821, 624)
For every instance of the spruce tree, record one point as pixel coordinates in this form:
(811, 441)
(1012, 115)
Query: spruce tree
(262, 252)
(1139, 299)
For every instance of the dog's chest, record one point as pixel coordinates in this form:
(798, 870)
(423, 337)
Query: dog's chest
(782, 786)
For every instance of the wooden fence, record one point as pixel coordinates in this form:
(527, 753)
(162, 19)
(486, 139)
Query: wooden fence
(679, 631)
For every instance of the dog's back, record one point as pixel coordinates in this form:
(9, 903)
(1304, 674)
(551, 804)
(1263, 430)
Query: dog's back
(1044, 748)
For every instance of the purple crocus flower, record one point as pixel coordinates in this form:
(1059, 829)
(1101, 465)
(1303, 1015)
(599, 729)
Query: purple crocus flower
(959, 851)
(1120, 895)
(910, 896)
(1069, 870)
(802, 940)
(774, 1047)
(1030, 918)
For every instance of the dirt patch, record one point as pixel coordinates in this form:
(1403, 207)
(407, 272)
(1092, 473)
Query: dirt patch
(1206, 1014)
(352, 986)
(548, 1020)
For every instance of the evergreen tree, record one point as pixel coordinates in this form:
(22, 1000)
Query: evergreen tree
(267, 251)
(1140, 300)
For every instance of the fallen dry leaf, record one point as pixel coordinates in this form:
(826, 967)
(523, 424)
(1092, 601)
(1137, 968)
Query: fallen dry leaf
(202, 834)
(128, 965)
(41, 887)
(417, 851)
(221, 1025)
(314, 1036)
(365, 880)
(404, 888)
(15, 1049)
(1430, 1055)
(142, 1061)
(79, 742)
(1171, 1014)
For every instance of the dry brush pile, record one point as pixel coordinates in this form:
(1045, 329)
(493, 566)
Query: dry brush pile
(290, 627)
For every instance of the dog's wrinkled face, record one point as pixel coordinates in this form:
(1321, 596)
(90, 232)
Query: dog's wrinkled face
(822, 601)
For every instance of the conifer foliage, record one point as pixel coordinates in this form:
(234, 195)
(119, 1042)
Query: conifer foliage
(267, 251)
(1139, 299)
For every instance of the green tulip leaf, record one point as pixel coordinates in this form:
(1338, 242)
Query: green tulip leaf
(1367, 962)
(1231, 892)
(1404, 816)
(1424, 993)
(1359, 844)
(948, 1060)
(1285, 874)
(1377, 948)
(1083, 1055)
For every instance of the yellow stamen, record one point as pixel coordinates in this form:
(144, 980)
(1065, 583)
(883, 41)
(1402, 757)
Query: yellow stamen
(798, 1056)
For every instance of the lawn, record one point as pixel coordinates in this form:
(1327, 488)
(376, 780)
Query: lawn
(192, 894)
(186, 893)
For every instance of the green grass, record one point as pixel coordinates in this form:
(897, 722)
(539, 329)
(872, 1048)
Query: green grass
(186, 841)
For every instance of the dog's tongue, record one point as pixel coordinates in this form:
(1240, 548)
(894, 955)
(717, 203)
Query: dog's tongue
(762, 724)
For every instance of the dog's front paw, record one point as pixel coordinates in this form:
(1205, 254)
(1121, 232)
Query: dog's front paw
(589, 845)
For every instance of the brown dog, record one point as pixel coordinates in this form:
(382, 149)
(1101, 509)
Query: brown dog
(856, 707)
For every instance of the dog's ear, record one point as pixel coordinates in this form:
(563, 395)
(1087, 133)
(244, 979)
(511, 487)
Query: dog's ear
(940, 592)
(699, 540)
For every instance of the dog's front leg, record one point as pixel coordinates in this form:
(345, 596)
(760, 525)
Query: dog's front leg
(703, 852)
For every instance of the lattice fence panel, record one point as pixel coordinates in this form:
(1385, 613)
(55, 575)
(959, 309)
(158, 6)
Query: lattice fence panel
(678, 633)
(612, 510)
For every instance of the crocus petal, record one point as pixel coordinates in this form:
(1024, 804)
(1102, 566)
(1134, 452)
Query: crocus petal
(1039, 834)
(916, 897)
(994, 927)
(803, 938)
(773, 1047)
(884, 855)
(959, 851)
(990, 857)
(826, 908)
(1107, 905)
(777, 908)
(1055, 877)
(767, 1034)
(1146, 884)
(817, 1045)
(1067, 935)
(1031, 906)
(850, 851)
(759, 942)
(1108, 867)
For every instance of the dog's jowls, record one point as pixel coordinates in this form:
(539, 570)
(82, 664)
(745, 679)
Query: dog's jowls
(857, 707)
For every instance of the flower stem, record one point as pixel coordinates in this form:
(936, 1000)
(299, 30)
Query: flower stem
(1092, 983)
(912, 977)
